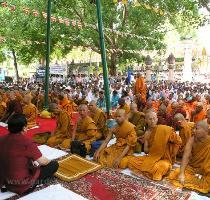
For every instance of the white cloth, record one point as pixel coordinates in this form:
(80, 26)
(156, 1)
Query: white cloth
(55, 192)
(6, 195)
(51, 153)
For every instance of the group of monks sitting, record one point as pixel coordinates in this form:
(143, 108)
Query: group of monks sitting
(162, 133)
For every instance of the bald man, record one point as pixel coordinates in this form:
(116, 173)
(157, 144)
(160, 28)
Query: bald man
(116, 155)
(99, 118)
(138, 120)
(161, 144)
(86, 130)
(30, 111)
(194, 172)
(185, 131)
(199, 113)
(163, 117)
(63, 128)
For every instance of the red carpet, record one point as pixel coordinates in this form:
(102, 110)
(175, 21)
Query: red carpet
(110, 184)
(44, 126)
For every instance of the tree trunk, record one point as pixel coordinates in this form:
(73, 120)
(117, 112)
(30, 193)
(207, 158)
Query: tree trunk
(16, 66)
(113, 63)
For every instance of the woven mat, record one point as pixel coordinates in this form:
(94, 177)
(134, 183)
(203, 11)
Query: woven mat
(74, 167)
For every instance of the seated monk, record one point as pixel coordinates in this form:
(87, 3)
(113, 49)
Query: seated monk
(86, 130)
(185, 131)
(163, 117)
(116, 155)
(99, 118)
(30, 111)
(138, 120)
(13, 107)
(123, 105)
(63, 128)
(2, 107)
(149, 107)
(208, 118)
(161, 146)
(194, 172)
(68, 106)
(199, 113)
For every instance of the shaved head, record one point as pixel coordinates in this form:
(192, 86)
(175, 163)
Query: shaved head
(83, 110)
(179, 117)
(53, 107)
(120, 116)
(134, 107)
(204, 125)
(150, 114)
(92, 106)
(121, 112)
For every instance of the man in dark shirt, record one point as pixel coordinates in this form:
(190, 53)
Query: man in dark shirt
(22, 164)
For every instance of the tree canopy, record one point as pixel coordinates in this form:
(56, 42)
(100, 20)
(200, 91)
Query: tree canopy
(129, 29)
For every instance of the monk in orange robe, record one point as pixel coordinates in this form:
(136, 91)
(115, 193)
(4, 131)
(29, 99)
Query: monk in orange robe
(199, 113)
(86, 130)
(185, 131)
(2, 107)
(116, 155)
(161, 146)
(194, 172)
(68, 106)
(140, 87)
(30, 111)
(149, 107)
(63, 128)
(123, 105)
(99, 118)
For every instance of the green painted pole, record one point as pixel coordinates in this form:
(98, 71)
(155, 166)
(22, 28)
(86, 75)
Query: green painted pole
(103, 56)
(47, 68)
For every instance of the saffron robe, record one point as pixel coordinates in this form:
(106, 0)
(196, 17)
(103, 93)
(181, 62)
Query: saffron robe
(199, 116)
(99, 118)
(85, 128)
(30, 111)
(197, 172)
(125, 135)
(62, 131)
(185, 133)
(164, 144)
(141, 88)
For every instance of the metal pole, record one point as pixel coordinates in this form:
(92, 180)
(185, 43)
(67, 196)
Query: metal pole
(103, 56)
(46, 105)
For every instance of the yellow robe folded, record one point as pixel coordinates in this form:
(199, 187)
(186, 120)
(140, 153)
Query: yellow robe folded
(125, 135)
(197, 173)
(164, 144)
(85, 128)
(62, 131)
(30, 111)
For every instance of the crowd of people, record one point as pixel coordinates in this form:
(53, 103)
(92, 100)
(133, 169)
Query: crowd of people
(168, 121)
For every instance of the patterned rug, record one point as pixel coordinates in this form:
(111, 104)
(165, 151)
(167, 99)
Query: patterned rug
(74, 167)
(110, 184)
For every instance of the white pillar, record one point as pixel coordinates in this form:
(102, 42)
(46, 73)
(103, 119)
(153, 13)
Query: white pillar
(187, 71)
(171, 73)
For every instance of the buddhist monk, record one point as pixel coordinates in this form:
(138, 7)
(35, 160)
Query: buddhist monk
(123, 105)
(138, 120)
(30, 111)
(140, 87)
(116, 155)
(163, 117)
(86, 130)
(161, 146)
(63, 128)
(13, 107)
(194, 172)
(67, 105)
(99, 118)
(2, 107)
(149, 107)
(199, 113)
(185, 131)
